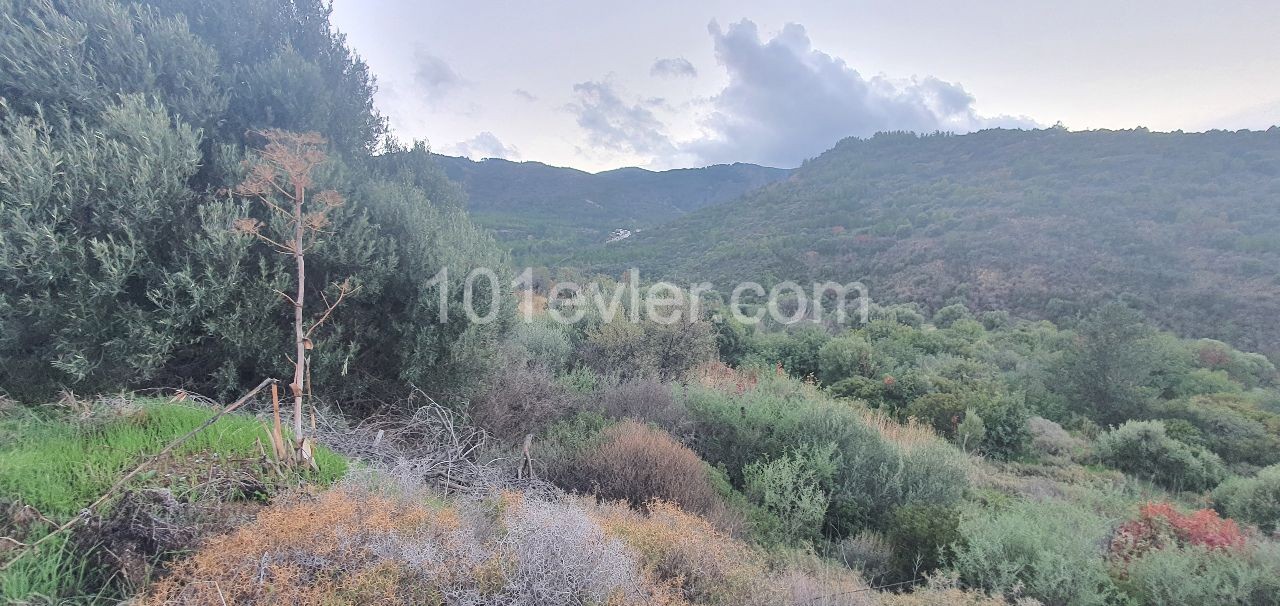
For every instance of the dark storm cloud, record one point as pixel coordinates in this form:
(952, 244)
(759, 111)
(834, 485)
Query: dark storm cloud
(485, 145)
(675, 67)
(434, 76)
(787, 101)
(614, 124)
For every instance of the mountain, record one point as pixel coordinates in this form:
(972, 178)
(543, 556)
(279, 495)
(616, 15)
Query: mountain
(545, 213)
(1045, 223)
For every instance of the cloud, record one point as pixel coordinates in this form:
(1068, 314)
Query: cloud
(484, 145)
(434, 76)
(617, 125)
(673, 68)
(787, 101)
(525, 95)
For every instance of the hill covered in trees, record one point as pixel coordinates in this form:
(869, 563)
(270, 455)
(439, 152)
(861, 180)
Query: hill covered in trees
(545, 213)
(1047, 223)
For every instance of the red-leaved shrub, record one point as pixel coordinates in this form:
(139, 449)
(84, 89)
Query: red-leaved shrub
(1161, 525)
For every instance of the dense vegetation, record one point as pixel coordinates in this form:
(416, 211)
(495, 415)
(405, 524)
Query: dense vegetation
(1042, 224)
(122, 131)
(957, 448)
(1084, 492)
(545, 214)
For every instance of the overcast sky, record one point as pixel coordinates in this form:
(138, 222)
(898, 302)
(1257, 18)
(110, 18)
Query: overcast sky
(664, 84)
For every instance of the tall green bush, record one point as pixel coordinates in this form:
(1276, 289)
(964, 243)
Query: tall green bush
(91, 221)
(1255, 500)
(1194, 576)
(1143, 449)
(871, 477)
(1048, 551)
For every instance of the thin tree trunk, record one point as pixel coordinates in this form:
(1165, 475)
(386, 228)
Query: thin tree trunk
(300, 359)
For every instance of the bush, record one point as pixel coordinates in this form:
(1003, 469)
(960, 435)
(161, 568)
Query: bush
(950, 314)
(634, 462)
(797, 350)
(645, 400)
(1049, 438)
(1047, 551)
(873, 474)
(920, 536)
(1004, 417)
(846, 358)
(789, 489)
(520, 400)
(1143, 449)
(869, 553)
(1194, 576)
(541, 342)
(1161, 525)
(704, 566)
(354, 547)
(1255, 500)
(1223, 425)
(626, 350)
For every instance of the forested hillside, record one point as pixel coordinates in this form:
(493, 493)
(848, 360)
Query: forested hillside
(546, 213)
(1043, 223)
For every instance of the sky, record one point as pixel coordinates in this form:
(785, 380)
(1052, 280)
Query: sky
(671, 84)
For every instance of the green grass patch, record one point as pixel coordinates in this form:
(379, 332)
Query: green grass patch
(60, 465)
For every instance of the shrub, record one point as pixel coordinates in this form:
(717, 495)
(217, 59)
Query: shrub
(520, 400)
(796, 350)
(637, 463)
(971, 431)
(948, 315)
(1194, 576)
(679, 548)
(868, 552)
(647, 349)
(1255, 500)
(541, 342)
(1161, 525)
(1143, 449)
(1049, 438)
(943, 411)
(704, 566)
(880, 464)
(920, 536)
(1004, 417)
(1047, 551)
(352, 546)
(789, 489)
(996, 320)
(1223, 425)
(847, 357)
(645, 400)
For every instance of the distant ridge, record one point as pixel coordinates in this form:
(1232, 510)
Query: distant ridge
(1044, 223)
(545, 212)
